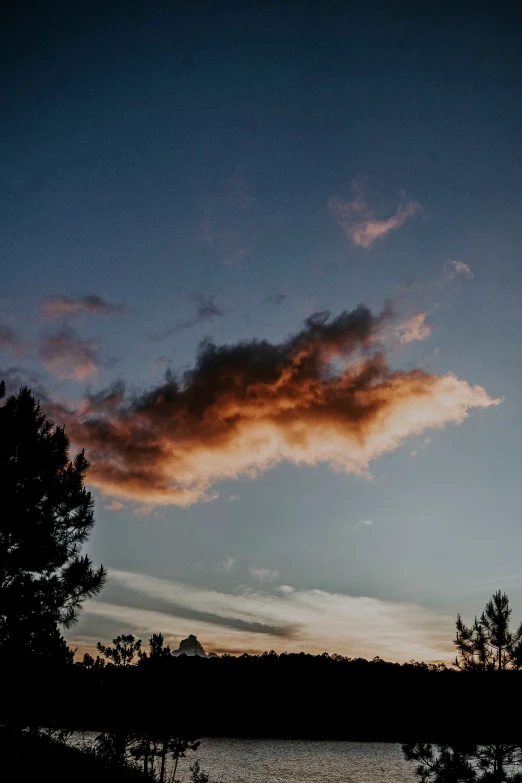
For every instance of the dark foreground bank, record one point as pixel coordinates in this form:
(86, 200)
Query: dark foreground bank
(31, 757)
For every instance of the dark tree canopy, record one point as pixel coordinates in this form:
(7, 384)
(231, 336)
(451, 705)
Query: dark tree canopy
(46, 517)
(125, 649)
(495, 763)
(489, 643)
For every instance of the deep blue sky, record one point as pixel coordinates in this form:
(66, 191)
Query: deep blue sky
(183, 163)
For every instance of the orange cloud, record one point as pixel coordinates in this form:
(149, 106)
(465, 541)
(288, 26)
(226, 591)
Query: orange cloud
(416, 328)
(115, 506)
(56, 306)
(360, 224)
(67, 356)
(325, 395)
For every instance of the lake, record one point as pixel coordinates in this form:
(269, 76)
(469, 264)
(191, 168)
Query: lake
(291, 761)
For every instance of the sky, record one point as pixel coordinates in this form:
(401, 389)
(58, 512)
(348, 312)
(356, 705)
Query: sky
(263, 261)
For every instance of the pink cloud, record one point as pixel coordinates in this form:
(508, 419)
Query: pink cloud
(67, 356)
(115, 506)
(360, 224)
(460, 269)
(416, 328)
(9, 340)
(56, 306)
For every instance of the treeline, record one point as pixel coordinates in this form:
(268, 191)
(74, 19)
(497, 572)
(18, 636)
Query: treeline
(288, 695)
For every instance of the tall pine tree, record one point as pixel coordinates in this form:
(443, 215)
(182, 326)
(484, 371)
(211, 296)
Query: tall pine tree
(489, 644)
(46, 515)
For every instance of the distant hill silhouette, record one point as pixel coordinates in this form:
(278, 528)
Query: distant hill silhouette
(190, 646)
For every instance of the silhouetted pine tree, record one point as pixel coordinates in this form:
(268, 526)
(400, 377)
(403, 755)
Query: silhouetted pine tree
(157, 649)
(489, 643)
(125, 649)
(497, 763)
(46, 517)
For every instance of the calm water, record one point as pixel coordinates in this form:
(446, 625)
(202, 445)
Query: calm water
(293, 761)
(290, 761)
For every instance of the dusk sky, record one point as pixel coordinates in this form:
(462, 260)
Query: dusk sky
(263, 260)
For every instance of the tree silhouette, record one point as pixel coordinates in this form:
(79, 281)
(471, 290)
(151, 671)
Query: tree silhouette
(489, 644)
(196, 774)
(179, 748)
(114, 746)
(157, 649)
(496, 763)
(88, 661)
(125, 649)
(47, 516)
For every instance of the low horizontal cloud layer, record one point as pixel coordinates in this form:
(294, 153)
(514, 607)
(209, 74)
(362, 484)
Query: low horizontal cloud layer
(56, 306)
(282, 619)
(67, 356)
(360, 224)
(325, 394)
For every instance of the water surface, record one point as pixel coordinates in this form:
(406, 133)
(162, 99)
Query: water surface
(291, 761)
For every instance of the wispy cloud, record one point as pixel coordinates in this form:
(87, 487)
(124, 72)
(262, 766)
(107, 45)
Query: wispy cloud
(421, 446)
(277, 299)
(459, 269)
(364, 523)
(67, 356)
(56, 306)
(115, 506)
(225, 567)
(10, 341)
(361, 225)
(284, 619)
(416, 328)
(206, 310)
(264, 574)
(15, 377)
(325, 395)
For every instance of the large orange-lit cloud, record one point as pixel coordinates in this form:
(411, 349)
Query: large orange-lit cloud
(360, 224)
(325, 395)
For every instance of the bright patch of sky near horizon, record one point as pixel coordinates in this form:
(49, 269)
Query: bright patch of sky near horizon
(196, 167)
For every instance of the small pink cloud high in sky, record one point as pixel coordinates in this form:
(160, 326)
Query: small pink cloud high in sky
(361, 225)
